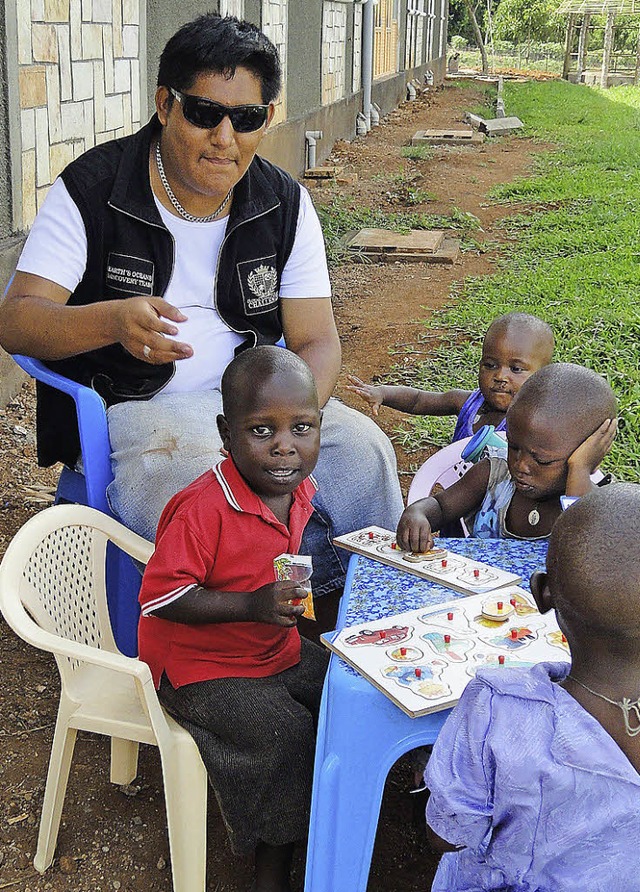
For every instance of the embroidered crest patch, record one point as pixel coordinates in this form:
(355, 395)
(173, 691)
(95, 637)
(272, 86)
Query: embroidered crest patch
(259, 284)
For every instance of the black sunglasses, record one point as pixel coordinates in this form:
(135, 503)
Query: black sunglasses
(208, 114)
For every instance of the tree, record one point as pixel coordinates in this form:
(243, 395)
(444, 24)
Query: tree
(522, 21)
(467, 17)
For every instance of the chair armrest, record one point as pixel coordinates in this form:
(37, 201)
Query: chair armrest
(92, 425)
(24, 626)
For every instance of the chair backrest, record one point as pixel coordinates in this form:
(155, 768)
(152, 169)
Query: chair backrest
(94, 436)
(52, 578)
(441, 470)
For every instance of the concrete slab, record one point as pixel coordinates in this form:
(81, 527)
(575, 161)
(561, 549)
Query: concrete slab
(446, 138)
(417, 246)
(323, 173)
(501, 126)
(376, 240)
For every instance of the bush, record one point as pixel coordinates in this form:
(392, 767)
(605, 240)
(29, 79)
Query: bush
(458, 43)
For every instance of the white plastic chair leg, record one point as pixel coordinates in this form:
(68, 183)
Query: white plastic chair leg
(64, 740)
(185, 790)
(124, 760)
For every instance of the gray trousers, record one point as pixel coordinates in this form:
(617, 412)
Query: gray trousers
(161, 445)
(256, 737)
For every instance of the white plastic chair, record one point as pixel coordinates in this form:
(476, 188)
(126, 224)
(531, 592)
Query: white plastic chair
(52, 594)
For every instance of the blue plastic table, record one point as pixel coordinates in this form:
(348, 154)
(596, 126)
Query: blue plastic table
(361, 732)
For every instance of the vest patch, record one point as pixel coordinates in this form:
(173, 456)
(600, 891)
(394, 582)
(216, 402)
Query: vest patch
(259, 284)
(132, 274)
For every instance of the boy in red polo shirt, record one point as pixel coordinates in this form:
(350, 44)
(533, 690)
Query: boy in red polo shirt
(220, 635)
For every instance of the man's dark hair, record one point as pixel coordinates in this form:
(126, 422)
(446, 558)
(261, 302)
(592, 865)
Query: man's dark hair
(219, 44)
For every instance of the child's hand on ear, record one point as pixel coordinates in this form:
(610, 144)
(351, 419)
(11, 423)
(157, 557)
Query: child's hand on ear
(584, 460)
(370, 393)
(591, 451)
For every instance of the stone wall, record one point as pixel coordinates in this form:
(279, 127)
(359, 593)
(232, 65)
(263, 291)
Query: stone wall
(78, 82)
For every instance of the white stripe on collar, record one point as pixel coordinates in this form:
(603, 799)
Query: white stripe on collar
(226, 488)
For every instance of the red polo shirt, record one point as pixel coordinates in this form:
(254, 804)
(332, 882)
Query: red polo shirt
(217, 533)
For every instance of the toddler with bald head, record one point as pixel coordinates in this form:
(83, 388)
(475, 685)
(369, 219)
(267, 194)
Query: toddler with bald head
(534, 778)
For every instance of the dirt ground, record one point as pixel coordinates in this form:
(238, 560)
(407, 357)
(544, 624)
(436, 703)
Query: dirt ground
(115, 839)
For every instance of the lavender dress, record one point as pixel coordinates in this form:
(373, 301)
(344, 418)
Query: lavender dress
(541, 796)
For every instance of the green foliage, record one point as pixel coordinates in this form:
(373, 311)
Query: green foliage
(458, 42)
(573, 257)
(527, 20)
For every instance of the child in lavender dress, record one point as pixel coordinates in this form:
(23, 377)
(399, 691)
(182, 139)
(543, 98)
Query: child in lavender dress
(514, 347)
(534, 778)
(560, 426)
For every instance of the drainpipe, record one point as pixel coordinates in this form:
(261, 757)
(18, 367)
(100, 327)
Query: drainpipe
(367, 60)
(361, 125)
(375, 115)
(311, 136)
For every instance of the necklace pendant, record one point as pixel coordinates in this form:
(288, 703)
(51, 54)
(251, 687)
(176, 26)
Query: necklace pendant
(534, 517)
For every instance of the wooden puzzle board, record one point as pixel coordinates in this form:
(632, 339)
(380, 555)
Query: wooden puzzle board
(423, 659)
(457, 573)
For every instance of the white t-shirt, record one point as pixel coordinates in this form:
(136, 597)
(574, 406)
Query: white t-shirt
(56, 249)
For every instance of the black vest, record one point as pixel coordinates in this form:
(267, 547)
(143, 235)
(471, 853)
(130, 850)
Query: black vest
(130, 251)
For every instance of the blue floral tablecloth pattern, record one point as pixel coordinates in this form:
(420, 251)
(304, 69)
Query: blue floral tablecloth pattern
(378, 591)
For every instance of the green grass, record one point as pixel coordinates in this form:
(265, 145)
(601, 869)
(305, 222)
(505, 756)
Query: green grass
(418, 153)
(573, 256)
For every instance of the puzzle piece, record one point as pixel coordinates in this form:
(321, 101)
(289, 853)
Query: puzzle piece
(380, 636)
(447, 619)
(424, 680)
(491, 661)
(370, 537)
(405, 654)
(512, 638)
(446, 567)
(477, 577)
(557, 639)
(455, 649)
(521, 605)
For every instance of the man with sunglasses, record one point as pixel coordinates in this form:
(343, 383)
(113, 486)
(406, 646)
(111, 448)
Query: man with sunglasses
(156, 257)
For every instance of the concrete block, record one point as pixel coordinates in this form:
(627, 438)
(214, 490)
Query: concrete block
(501, 126)
(446, 137)
(322, 173)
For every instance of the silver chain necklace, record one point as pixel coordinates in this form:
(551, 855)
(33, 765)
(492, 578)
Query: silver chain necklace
(629, 707)
(174, 201)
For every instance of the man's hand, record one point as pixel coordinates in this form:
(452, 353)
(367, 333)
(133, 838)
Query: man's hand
(370, 393)
(142, 330)
(278, 603)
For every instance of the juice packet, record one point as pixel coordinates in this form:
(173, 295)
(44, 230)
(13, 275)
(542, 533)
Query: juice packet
(297, 567)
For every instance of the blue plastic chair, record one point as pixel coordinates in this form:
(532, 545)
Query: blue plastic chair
(90, 488)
